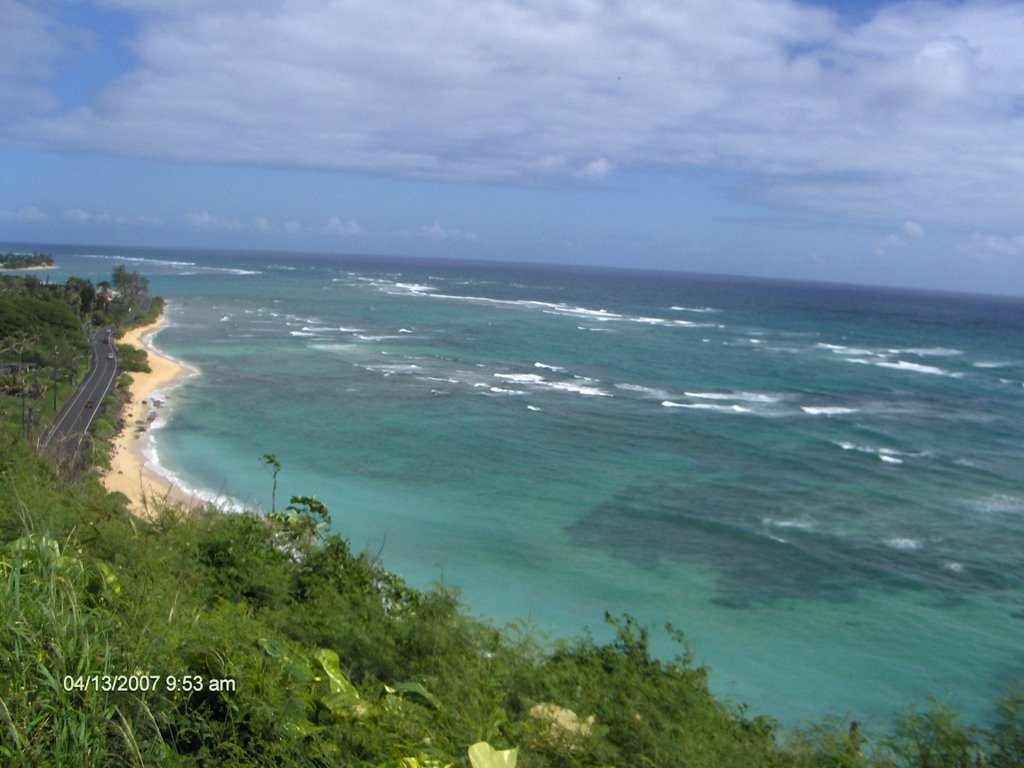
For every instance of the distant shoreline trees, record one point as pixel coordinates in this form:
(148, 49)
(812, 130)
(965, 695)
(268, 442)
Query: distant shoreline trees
(25, 261)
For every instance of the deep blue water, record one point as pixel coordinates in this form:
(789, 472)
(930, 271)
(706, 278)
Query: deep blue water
(821, 485)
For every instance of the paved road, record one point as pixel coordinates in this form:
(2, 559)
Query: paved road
(78, 413)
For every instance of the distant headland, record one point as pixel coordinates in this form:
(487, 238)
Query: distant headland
(26, 261)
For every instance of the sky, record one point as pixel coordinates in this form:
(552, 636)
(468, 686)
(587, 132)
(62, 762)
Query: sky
(869, 142)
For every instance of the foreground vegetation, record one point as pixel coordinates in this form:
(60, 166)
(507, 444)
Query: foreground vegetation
(200, 638)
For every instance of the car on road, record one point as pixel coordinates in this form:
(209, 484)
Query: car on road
(88, 404)
(110, 355)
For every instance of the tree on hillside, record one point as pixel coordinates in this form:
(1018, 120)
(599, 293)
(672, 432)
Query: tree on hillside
(131, 285)
(80, 295)
(18, 383)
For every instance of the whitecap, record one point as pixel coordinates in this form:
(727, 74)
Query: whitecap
(413, 288)
(707, 407)
(927, 351)
(903, 365)
(695, 309)
(841, 349)
(826, 410)
(567, 386)
(639, 388)
(749, 397)
(954, 567)
(549, 367)
(500, 391)
(904, 544)
(803, 525)
(532, 408)
(888, 455)
(522, 378)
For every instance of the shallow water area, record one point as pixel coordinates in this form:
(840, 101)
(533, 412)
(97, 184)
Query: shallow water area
(819, 485)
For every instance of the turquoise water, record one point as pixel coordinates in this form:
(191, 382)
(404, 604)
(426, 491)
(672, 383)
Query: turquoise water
(820, 485)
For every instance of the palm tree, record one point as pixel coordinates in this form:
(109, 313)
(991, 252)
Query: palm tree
(271, 461)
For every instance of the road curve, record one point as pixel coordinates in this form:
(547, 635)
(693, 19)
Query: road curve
(78, 413)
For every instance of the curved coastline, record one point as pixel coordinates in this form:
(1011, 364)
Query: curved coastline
(135, 470)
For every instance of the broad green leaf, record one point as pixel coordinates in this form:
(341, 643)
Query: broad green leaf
(415, 691)
(337, 682)
(483, 755)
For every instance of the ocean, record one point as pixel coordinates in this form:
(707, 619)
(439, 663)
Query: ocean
(821, 485)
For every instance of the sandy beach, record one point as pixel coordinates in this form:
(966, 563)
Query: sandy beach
(130, 473)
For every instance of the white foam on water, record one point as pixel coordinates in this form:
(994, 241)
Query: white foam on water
(954, 567)
(827, 410)
(659, 394)
(888, 455)
(904, 365)
(522, 378)
(501, 391)
(803, 525)
(694, 309)
(927, 351)
(993, 364)
(748, 397)
(567, 386)
(532, 408)
(1000, 503)
(707, 407)
(547, 367)
(904, 544)
(840, 349)
(537, 381)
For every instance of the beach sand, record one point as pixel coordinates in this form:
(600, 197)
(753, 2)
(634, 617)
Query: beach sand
(129, 473)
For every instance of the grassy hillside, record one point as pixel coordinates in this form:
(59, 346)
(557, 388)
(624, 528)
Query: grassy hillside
(200, 638)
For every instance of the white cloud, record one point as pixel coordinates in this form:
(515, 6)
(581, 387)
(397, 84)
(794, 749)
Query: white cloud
(597, 169)
(985, 246)
(292, 227)
(81, 216)
(336, 226)
(208, 220)
(32, 46)
(261, 224)
(913, 229)
(30, 213)
(916, 113)
(435, 231)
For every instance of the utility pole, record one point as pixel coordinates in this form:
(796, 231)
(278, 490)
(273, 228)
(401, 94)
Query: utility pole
(54, 379)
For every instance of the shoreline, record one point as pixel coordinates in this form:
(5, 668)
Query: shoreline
(132, 471)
